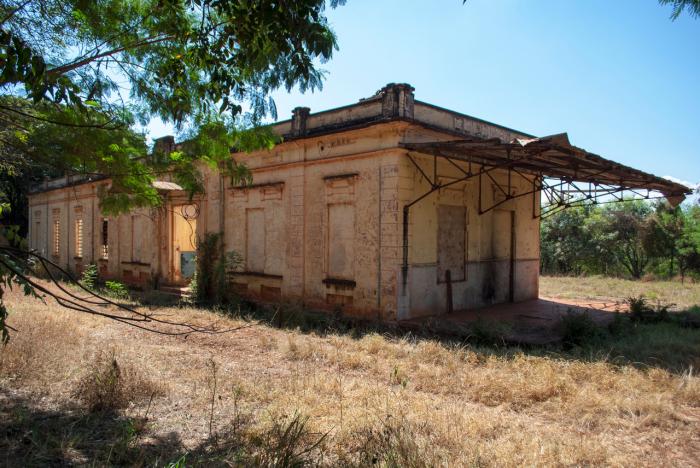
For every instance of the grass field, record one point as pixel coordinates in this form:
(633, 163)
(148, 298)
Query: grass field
(76, 389)
(682, 295)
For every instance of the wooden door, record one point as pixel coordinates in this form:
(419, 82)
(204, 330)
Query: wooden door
(184, 244)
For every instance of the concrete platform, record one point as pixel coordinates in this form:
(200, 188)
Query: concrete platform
(529, 322)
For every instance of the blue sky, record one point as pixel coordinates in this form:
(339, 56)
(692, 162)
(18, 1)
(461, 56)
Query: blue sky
(618, 75)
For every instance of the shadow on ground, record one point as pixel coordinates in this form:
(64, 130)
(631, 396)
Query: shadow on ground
(558, 328)
(69, 435)
(582, 332)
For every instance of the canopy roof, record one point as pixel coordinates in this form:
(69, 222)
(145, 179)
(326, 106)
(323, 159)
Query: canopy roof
(553, 157)
(166, 186)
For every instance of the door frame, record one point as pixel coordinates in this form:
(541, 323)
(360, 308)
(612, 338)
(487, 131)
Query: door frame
(174, 266)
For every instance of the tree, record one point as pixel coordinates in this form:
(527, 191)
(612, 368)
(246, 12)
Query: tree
(76, 75)
(566, 245)
(181, 58)
(191, 62)
(665, 227)
(679, 6)
(622, 232)
(688, 243)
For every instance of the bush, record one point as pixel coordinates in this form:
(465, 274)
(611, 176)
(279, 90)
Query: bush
(107, 386)
(116, 289)
(638, 307)
(90, 276)
(641, 311)
(210, 283)
(579, 329)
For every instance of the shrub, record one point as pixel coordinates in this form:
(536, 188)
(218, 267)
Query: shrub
(90, 276)
(209, 284)
(579, 329)
(116, 289)
(107, 386)
(641, 311)
(638, 307)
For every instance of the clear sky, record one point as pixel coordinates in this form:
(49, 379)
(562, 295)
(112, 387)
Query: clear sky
(618, 75)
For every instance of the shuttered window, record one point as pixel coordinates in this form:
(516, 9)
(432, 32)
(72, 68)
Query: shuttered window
(56, 233)
(79, 237)
(341, 241)
(452, 227)
(255, 240)
(105, 239)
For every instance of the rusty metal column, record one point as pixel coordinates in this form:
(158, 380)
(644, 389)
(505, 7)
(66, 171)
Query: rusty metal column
(404, 266)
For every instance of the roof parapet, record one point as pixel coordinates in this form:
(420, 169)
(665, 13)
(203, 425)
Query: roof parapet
(164, 145)
(300, 115)
(397, 100)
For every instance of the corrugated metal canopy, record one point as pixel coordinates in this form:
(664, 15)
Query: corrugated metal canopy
(551, 156)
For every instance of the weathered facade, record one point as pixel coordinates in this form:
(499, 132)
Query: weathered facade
(340, 215)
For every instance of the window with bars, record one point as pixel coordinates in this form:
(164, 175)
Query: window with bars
(79, 238)
(105, 239)
(56, 239)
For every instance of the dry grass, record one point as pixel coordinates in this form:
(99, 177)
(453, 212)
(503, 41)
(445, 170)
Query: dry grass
(393, 401)
(600, 288)
(108, 385)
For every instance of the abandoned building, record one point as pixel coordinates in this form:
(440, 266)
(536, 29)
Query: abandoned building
(388, 208)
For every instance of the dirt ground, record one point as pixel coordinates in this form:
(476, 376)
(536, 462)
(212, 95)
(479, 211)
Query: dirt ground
(368, 398)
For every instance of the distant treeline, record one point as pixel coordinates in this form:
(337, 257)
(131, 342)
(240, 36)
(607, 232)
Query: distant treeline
(631, 239)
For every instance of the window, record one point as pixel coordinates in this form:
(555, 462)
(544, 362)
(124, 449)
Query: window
(452, 228)
(138, 232)
(78, 232)
(275, 241)
(79, 238)
(255, 243)
(56, 244)
(105, 239)
(341, 241)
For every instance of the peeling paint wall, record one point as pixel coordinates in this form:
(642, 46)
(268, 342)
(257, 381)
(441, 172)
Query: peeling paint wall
(487, 238)
(133, 240)
(322, 201)
(322, 221)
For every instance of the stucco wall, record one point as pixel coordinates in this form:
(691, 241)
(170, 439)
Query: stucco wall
(486, 264)
(323, 220)
(132, 238)
(298, 189)
(65, 206)
(302, 187)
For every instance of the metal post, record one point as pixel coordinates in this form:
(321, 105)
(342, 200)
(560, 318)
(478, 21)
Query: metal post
(404, 266)
(448, 285)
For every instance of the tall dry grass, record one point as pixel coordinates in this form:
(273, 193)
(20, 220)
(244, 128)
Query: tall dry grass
(340, 400)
